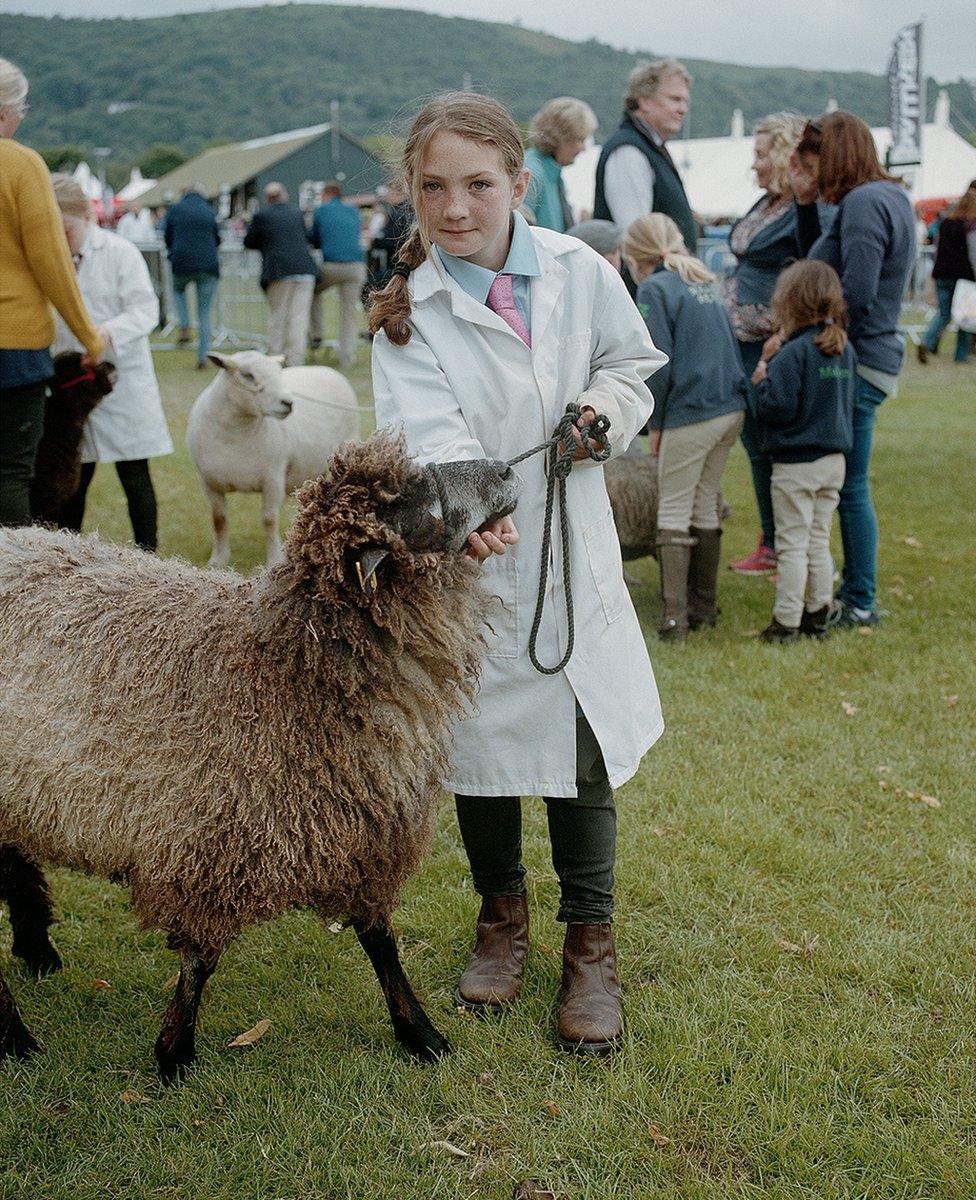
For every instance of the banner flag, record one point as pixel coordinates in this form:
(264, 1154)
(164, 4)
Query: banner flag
(906, 97)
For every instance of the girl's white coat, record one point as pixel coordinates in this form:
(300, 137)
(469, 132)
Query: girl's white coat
(114, 280)
(465, 387)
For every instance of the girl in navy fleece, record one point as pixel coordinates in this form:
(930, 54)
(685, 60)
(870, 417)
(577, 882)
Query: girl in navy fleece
(805, 403)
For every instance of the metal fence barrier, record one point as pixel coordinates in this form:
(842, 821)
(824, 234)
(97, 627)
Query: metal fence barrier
(240, 311)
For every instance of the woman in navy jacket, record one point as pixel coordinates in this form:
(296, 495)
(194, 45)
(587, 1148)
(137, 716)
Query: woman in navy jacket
(871, 245)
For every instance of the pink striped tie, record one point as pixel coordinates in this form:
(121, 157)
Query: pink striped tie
(501, 299)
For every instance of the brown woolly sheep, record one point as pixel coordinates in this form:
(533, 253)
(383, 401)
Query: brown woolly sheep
(232, 747)
(631, 481)
(57, 466)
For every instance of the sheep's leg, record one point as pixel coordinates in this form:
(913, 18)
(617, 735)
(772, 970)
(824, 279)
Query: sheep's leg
(411, 1025)
(175, 1048)
(15, 1037)
(24, 888)
(272, 498)
(218, 511)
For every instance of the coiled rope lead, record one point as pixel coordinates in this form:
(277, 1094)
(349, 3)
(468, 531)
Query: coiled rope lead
(559, 466)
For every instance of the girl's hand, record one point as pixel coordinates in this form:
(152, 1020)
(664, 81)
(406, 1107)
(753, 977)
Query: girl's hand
(586, 417)
(802, 180)
(654, 441)
(771, 347)
(759, 374)
(493, 538)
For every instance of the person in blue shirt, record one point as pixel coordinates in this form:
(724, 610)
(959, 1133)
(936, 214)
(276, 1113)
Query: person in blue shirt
(335, 232)
(556, 137)
(700, 399)
(804, 411)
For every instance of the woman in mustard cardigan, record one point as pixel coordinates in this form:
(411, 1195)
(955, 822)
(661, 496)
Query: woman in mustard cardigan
(36, 272)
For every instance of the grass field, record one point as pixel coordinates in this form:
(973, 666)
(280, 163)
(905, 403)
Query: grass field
(796, 881)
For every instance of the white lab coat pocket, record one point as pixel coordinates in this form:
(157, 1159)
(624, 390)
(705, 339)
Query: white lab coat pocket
(573, 362)
(603, 553)
(500, 578)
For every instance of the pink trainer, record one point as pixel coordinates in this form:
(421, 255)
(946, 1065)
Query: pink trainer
(760, 562)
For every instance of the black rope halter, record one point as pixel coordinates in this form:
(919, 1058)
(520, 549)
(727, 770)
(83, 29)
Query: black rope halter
(562, 447)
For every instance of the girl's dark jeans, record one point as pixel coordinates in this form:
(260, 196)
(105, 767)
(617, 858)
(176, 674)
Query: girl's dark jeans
(582, 834)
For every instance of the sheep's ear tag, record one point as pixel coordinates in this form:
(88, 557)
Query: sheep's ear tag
(366, 567)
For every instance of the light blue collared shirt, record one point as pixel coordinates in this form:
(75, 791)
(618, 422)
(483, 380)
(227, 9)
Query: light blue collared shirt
(522, 263)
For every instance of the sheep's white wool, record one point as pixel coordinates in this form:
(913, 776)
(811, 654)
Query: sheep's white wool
(262, 427)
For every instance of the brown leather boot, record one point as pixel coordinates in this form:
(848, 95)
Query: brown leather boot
(591, 1014)
(493, 976)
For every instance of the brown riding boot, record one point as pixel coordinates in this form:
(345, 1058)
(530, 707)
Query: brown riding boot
(703, 607)
(591, 1015)
(493, 976)
(673, 558)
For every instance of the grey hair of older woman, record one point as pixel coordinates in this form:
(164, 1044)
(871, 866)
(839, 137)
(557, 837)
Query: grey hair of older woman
(13, 84)
(784, 130)
(564, 119)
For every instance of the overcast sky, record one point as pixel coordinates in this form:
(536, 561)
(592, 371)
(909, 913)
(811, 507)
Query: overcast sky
(819, 34)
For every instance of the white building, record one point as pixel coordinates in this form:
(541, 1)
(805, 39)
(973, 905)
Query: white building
(718, 177)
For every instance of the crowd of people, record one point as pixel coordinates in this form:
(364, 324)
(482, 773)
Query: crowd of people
(490, 300)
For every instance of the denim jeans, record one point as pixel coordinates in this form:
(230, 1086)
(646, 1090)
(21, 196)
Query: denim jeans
(762, 468)
(944, 291)
(858, 523)
(206, 286)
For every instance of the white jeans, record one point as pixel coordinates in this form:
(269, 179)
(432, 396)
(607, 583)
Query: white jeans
(804, 498)
(349, 279)
(690, 463)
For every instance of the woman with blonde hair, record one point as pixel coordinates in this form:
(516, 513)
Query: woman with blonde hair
(699, 401)
(36, 269)
(128, 427)
(487, 331)
(764, 241)
(557, 135)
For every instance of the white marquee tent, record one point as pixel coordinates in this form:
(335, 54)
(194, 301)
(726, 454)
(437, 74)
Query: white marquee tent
(718, 177)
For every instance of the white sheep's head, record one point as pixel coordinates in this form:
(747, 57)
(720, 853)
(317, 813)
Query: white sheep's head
(253, 384)
(380, 518)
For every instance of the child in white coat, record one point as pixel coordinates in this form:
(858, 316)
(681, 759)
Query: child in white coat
(128, 427)
(486, 332)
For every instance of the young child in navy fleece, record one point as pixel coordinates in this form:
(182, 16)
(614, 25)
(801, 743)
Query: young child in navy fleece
(805, 404)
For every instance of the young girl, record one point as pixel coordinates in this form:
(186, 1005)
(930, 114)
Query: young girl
(484, 335)
(698, 415)
(128, 427)
(805, 404)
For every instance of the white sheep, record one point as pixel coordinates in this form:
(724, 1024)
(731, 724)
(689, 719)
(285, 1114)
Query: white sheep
(262, 427)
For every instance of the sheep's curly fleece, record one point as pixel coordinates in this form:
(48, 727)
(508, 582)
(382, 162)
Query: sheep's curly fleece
(237, 747)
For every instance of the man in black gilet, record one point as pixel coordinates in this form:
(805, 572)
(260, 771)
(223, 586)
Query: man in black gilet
(636, 174)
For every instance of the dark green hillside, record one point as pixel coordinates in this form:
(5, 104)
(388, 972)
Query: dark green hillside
(242, 73)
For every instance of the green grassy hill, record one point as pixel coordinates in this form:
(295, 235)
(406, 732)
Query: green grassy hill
(242, 73)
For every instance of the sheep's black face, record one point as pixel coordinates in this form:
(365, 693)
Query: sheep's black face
(79, 388)
(449, 501)
(377, 507)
